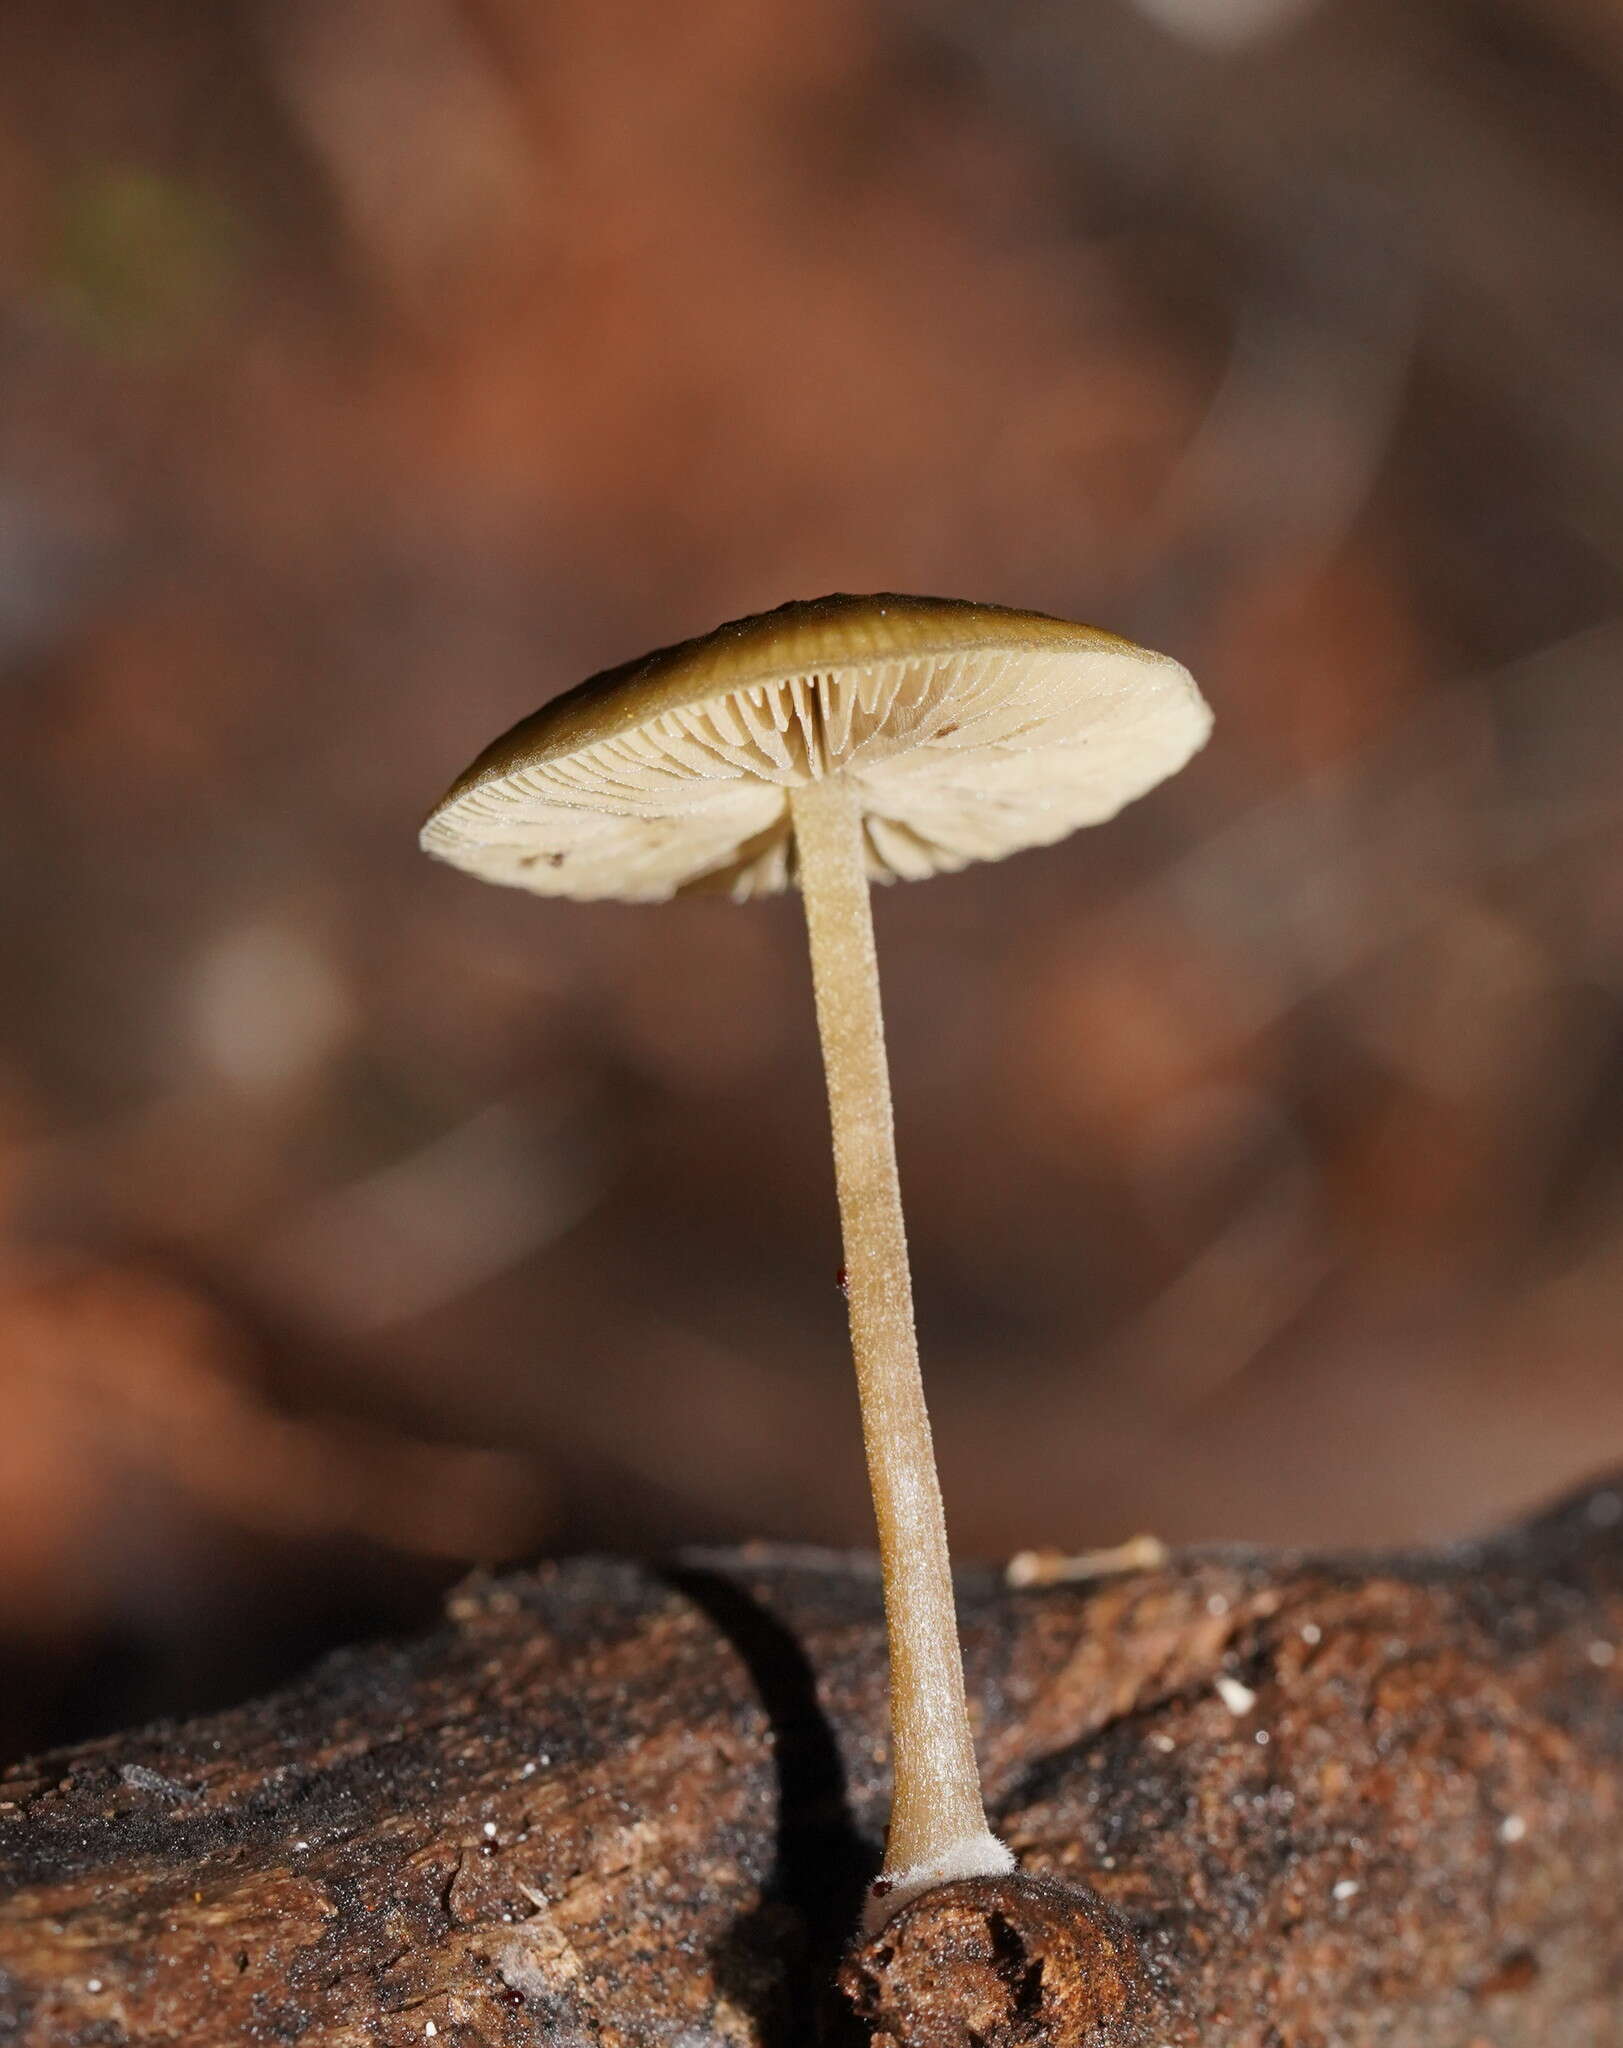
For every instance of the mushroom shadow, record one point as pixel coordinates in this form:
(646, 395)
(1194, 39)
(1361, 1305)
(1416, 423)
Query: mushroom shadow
(822, 1862)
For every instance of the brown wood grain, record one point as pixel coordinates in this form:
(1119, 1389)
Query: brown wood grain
(1329, 1801)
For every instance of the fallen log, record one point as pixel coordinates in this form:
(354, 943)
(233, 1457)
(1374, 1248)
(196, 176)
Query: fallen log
(1310, 1801)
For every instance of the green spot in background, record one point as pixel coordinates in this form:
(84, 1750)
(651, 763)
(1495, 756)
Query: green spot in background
(141, 260)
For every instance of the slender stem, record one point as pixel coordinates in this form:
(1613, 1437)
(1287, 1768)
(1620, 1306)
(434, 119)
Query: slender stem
(938, 1822)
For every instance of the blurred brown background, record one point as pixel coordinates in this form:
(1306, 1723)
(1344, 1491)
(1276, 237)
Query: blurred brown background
(371, 369)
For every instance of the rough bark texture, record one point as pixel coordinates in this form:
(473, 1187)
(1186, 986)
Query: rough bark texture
(1324, 1801)
(1018, 1960)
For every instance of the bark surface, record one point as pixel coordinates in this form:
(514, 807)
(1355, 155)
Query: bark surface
(1314, 1802)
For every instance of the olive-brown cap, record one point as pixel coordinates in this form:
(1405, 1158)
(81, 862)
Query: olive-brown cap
(971, 731)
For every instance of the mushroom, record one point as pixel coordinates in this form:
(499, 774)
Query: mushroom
(835, 743)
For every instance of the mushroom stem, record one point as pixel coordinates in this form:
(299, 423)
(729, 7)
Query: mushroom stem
(938, 1822)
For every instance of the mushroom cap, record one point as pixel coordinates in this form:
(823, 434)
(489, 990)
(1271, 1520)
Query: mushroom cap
(971, 731)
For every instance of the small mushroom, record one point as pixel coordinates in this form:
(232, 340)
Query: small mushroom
(835, 743)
